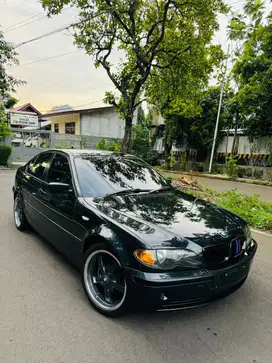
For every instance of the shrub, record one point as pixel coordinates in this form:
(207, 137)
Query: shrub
(112, 145)
(5, 152)
(269, 160)
(231, 167)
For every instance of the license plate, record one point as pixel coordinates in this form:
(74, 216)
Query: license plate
(232, 275)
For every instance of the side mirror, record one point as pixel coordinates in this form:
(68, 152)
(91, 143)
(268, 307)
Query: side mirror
(169, 180)
(59, 188)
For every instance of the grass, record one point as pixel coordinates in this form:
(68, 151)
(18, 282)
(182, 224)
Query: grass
(252, 209)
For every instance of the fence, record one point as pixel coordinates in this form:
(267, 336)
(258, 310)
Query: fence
(28, 143)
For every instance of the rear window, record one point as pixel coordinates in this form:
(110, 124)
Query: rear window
(37, 167)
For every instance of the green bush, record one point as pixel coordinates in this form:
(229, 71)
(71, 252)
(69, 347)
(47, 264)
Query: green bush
(5, 152)
(112, 145)
(231, 168)
(255, 211)
(270, 159)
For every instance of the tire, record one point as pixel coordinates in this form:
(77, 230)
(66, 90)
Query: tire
(19, 216)
(104, 282)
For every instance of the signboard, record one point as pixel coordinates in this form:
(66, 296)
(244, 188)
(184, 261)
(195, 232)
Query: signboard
(23, 119)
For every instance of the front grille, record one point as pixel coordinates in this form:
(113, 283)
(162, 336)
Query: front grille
(225, 253)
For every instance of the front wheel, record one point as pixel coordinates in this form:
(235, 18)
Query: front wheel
(19, 214)
(103, 281)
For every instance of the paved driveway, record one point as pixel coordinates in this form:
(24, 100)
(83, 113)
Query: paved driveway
(45, 317)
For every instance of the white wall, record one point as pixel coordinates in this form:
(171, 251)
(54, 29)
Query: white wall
(103, 123)
(245, 146)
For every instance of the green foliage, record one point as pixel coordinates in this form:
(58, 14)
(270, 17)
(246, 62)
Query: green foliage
(252, 70)
(4, 131)
(112, 145)
(270, 159)
(5, 152)
(255, 211)
(150, 35)
(231, 168)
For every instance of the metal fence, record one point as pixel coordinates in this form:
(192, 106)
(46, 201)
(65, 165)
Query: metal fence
(28, 143)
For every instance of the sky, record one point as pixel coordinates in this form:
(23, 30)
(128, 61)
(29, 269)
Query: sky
(68, 79)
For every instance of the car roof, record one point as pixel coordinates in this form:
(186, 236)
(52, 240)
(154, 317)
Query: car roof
(89, 152)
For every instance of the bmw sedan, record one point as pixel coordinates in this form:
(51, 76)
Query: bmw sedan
(137, 240)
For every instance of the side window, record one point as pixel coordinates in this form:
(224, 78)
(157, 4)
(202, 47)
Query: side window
(59, 170)
(38, 167)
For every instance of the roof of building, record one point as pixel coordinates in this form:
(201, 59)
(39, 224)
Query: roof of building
(24, 107)
(62, 108)
(69, 112)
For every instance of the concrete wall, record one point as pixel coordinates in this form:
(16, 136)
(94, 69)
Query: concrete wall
(77, 141)
(102, 124)
(245, 147)
(62, 119)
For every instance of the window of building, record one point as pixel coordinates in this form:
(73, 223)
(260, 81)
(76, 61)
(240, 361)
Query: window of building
(70, 128)
(56, 128)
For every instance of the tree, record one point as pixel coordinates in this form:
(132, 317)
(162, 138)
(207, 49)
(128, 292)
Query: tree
(196, 132)
(137, 29)
(252, 70)
(7, 84)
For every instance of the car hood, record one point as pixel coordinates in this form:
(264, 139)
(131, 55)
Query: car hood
(169, 218)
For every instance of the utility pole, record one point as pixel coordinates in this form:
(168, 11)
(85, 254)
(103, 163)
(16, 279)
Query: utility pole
(218, 112)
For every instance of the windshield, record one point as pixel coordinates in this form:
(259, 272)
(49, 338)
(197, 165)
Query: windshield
(101, 175)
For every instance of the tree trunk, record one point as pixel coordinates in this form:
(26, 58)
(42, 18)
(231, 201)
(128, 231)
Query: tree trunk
(227, 144)
(235, 135)
(127, 135)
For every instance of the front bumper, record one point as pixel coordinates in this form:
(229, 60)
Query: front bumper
(183, 289)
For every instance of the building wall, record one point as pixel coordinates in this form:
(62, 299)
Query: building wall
(62, 119)
(103, 124)
(244, 146)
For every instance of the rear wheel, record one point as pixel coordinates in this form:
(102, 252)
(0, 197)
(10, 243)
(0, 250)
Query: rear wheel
(104, 282)
(20, 220)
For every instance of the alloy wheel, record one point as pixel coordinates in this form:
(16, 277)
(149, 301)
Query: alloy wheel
(104, 281)
(18, 211)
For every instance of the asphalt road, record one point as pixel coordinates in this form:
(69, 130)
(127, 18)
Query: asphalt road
(265, 192)
(45, 317)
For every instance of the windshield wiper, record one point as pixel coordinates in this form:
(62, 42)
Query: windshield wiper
(127, 191)
(162, 189)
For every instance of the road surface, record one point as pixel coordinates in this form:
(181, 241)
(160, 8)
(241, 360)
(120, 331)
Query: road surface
(46, 318)
(265, 192)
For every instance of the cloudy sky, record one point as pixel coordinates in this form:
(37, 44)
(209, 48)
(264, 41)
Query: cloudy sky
(69, 79)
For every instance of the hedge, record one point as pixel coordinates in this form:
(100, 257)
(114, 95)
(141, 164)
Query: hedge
(5, 152)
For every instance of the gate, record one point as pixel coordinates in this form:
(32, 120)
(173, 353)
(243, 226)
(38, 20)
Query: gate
(26, 144)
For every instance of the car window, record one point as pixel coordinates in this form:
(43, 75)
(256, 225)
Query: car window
(59, 170)
(99, 175)
(37, 167)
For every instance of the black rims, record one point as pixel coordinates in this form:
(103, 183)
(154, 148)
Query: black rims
(104, 282)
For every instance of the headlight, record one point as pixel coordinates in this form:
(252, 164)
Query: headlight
(248, 235)
(165, 258)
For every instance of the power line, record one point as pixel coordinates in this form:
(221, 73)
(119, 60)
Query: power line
(19, 25)
(44, 35)
(22, 25)
(45, 59)
(22, 21)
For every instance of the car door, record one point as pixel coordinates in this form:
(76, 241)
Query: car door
(58, 207)
(33, 176)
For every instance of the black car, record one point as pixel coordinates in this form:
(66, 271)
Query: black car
(137, 240)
